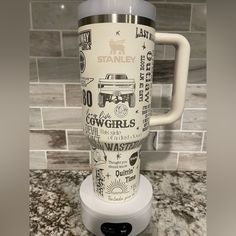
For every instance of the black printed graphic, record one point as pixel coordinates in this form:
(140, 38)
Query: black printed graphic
(82, 62)
(144, 46)
(118, 156)
(133, 159)
(104, 121)
(99, 157)
(116, 88)
(117, 187)
(86, 81)
(100, 178)
(118, 32)
(85, 40)
(121, 110)
(143, 33)
(87, 98)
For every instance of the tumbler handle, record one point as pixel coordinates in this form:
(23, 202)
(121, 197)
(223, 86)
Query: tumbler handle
(180, 78)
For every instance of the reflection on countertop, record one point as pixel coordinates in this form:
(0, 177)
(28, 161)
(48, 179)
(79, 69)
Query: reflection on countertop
(179, 203)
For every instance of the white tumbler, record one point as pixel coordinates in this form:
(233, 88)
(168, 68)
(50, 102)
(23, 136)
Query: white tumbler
(116, 43)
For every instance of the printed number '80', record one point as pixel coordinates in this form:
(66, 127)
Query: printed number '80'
(87, 98)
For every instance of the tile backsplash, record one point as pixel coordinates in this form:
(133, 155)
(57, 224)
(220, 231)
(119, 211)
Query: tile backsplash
(56, 137)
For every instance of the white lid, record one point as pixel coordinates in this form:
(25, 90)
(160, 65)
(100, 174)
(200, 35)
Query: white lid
(133, 7)
(97, 207)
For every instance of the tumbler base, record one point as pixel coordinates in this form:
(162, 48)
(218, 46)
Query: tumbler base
(104, 218)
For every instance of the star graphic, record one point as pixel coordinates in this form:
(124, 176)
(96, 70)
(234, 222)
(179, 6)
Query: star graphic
(144, 46)
(118, 32)
(118, 156)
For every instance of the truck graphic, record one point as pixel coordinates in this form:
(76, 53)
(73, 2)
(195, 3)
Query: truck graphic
(116, 88)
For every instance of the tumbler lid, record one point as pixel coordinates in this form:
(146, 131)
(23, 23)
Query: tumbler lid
(132, 7)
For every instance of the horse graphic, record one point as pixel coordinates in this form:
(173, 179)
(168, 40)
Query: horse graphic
(117, 46)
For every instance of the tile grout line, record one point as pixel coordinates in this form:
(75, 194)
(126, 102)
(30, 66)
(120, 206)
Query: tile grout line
(157, 141)
(64, 94)
(46, 158)
(57, 129)
(169, 151)
(54, 57)
(203, 139)
(67, 143)
(180, 131)
(181, 122)
(173, 58)
(61, 44)
(161, 94)
(45, 107)
(191, 18)
(53, 30)
(90, 159)
(56, 83)
(41, 111)
(178, 154)
(30, 15)
(164, 52)
(60, 150)
(37, 69)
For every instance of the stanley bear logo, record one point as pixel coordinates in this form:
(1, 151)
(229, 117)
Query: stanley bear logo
(117, 47)
(117, 53)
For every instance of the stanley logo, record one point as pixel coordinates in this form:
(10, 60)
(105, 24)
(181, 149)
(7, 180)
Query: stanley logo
(117, 53)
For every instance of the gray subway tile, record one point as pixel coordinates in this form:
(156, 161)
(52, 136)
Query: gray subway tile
(59, 70)
(70, 44)
(37, 160)
(77, 141)
(73, 95)
(179, 141)
(156, 96)
(150, 142)
(35, 118)
(46, 95)
(51, 15)
(166, 96)
(45, 43)
(195, 120)
(175, 126)
(68, 160)
(158, 161)
(173, 17)
(163, 71)
(159, 51)
(196, 96)
(199, 17)
(192, 162)
(62, 118)
(33, 70)
(47, 140)
(197, 42)
(197, 72)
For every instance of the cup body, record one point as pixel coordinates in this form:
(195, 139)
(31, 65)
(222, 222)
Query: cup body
(116, 63)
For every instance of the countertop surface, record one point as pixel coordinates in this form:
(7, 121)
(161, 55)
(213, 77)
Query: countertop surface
(179, 203)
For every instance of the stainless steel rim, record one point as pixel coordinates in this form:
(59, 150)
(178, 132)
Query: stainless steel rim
(117, 18)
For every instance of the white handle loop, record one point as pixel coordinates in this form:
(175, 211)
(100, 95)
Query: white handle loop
(180, 78)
